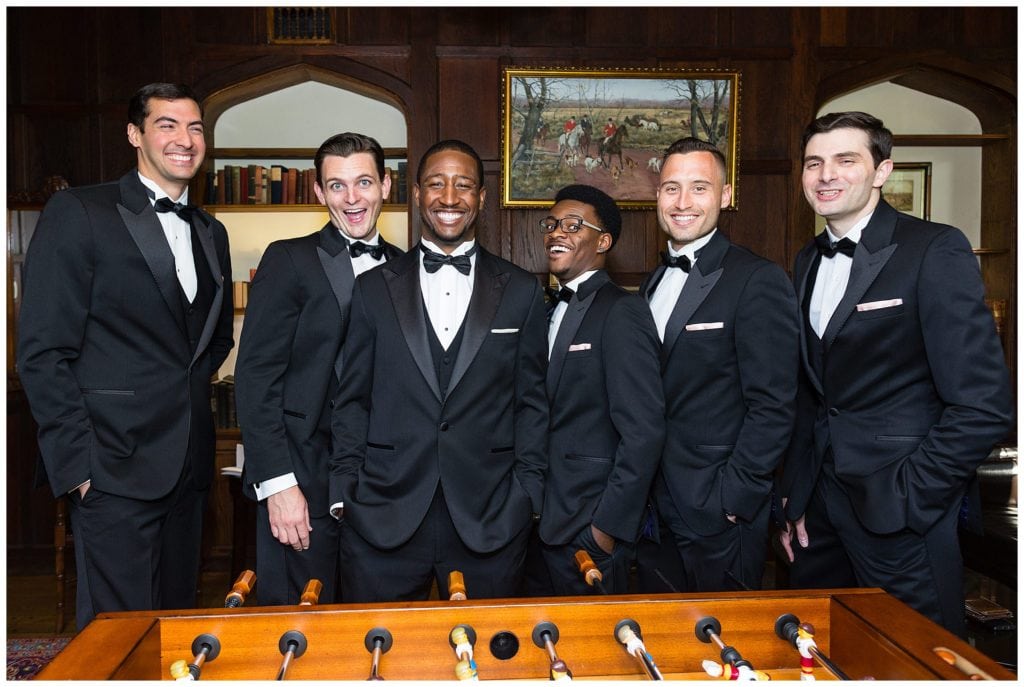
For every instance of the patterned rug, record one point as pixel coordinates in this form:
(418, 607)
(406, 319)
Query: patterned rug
(26, 657)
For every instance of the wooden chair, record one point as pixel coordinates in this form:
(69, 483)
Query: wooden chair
(63, 544)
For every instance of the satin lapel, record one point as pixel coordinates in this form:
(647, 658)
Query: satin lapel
(205, 235)
(695, 290)
(865, 269)
(652, 280)
(337, 264)
(403, 281)
(803, 270)
(571, 322)
(488, 287)
(140, 219)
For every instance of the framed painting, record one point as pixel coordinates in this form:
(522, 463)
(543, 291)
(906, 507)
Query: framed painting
(909, 188)
(608, 128)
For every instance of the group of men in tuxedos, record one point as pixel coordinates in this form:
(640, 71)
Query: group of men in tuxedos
(406, 415)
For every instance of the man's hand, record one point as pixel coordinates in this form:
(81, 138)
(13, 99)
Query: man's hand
(786, 537)
(289, 518)
(605, 541)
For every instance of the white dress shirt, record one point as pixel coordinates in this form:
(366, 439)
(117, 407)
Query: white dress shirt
(666, 293)
(365, 261)
(446, 293)
(559, 312)
(830, 284)
(179, 236)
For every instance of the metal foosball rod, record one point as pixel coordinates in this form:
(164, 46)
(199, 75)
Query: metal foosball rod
(545, 636)
(292, 645)
(240, 589)
(456, 586)
(591, 574)
(628, 633)
(801, 635)
(462, 638)
(205, 648)
(708, 630)
(311, 594)
(378, 641)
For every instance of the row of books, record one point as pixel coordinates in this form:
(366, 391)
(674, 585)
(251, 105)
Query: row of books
(280, 185)
(222, 402)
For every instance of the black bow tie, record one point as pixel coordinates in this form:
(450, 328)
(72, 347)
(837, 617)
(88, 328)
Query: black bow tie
(432, 261)
(185, 212)
(556, 296)
(829, 249)
(357, 248)
(680, 261)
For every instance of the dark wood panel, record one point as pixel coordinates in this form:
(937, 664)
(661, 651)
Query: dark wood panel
(463, 113)
(619, 26)
(137, 32)
(695, 28)
(760, 26)
(52, 50)
(543, 26)
(470, 25)
(228, 25)
(374, 25)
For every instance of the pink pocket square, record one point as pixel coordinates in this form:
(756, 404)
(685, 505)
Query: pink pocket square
(579, 347)
(878, 305)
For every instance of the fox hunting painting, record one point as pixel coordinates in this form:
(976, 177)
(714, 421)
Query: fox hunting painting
(608, 128)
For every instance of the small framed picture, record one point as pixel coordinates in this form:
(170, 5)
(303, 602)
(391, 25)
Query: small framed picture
(908, 189)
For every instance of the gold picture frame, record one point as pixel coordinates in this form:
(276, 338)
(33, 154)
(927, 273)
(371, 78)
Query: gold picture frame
(909, 188)
(648, 110)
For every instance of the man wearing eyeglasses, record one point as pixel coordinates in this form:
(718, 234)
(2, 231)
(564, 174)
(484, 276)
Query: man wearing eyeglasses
(728, 323)
(604, 389)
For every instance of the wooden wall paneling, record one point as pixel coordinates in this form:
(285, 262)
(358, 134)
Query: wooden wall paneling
(761, 27)
(527, 241)
(373, 25)
(470, 26)
(470, 109)
(697, 27)
(542, 26)
(228, 25)
(60, 144)
(52, 48)
(130, 44)
(609, 27)
(628, 260)
(423, 117)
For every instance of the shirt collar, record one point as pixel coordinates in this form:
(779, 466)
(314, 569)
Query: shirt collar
(375, 240)
(854, 234)
(459, 250)
(690, 249)
(158, 192)
(574, 284)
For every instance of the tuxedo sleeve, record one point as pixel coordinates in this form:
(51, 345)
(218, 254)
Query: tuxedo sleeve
(969, 374)
(58, 283)
(767, 353)
(632, 368)
(350, 419)
(531, 404)
(223, 339)
(264, 354)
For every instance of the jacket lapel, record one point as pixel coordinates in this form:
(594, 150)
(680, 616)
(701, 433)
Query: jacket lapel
(488, 287)
(576, 310)
(804, 261)
(201, 224)
(403, 281)
(873, 252)
(337, 266)
(702, 278)
(141, 221)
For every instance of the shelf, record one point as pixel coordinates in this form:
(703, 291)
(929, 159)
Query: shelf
(291, 207)
(284, 153)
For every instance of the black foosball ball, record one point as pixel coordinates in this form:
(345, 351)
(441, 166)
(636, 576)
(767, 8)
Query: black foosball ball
(779, 635)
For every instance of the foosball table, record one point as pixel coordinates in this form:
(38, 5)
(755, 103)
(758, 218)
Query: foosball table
(780, 635)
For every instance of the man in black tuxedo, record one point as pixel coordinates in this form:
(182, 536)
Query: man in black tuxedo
(440, 425)
(728, 322)
(125, 318)
(604, 389)
(903, 375)
(288, 367)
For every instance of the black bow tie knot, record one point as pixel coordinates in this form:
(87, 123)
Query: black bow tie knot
(185, 212)
(829, 249)
(432, 261)
(680, 261)
(562, 295)
(357, 248)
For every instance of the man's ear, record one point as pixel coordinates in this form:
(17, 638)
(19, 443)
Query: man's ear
(604, 243)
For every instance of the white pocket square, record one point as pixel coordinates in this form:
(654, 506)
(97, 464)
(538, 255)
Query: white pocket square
(701, 326)
(878, 305)
(504, 331)
(579, 347)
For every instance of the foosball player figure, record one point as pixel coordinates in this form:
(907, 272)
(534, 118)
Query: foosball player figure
(804, 642)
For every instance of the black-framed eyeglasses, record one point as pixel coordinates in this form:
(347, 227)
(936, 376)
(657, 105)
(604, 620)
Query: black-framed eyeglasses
(569, 224)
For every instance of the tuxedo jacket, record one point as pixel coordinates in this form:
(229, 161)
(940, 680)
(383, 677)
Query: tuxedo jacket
(607, 414)
(288, 359)
(114, 383)
(396, 437)
(729, 367)
(913, 391)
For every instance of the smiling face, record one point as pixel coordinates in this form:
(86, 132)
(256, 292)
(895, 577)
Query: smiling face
(171, 145)
(570, 255)
(449, 197)
(839, 178)
(353, 193)
(691, 196)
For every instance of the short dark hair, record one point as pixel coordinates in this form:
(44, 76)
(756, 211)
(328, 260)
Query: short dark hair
(879, 138)
(692, 144)
(138, 106)
(346, 144)
(606, 209)
(452, 144)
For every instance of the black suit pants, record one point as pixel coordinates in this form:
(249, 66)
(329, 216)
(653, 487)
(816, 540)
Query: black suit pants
(406, 572)
(567, 580)
(134, 555)
(282, 572)
(925, 571)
